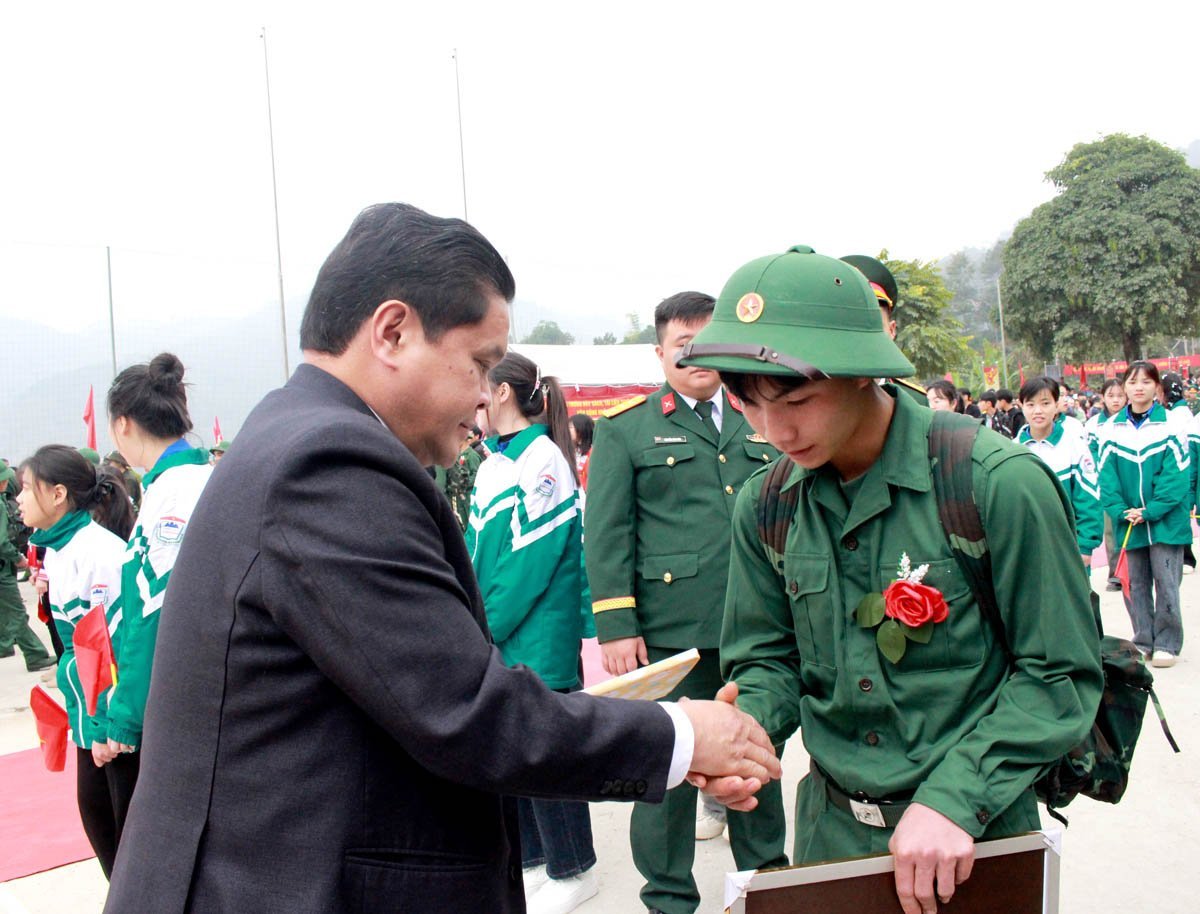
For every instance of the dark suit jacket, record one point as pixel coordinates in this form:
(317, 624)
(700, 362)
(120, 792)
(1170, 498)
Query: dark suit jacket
(329, 726)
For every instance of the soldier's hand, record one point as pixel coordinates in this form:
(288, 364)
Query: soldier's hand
(729, 744)
(933, 855)
(623, 655)
(734, 792)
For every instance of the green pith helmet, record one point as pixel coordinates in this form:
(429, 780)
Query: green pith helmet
(220, 447)
(883, 283)
(797, 313)
(115, 457)
(90, 455)
(7, 475)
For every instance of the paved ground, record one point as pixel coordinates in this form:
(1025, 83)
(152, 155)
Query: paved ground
(1135, 857)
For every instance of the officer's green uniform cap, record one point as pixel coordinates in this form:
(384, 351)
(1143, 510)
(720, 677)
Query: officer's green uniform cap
(797, 313)
(7, 475)
(91, 455)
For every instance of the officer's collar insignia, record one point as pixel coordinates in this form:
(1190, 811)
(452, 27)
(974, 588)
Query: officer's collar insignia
(733, 401)
(668, 404)
(749, 308)
(679, 439)
(756, 438)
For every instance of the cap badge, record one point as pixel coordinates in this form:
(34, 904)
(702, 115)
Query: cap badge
(749, 308)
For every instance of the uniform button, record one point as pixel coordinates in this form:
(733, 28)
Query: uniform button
(629, 788)
(983, 816)
(721, 457)
(872, 738)
(793, 587)
(667, 579)
(729, 490)
(865, 684)
(850, 542)
(670, 461)
(640, 787)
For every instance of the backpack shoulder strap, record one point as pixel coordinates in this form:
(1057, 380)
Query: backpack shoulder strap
(776, 508)
(951, 440)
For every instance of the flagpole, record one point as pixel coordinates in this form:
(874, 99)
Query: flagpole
(462, 160)
(112, 327)
(275, 200)
(1003, 346)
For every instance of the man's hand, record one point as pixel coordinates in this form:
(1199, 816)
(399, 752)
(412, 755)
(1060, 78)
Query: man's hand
(932, 854)
(734, 792)
(624, 655)
(733, 757)
(102, 754)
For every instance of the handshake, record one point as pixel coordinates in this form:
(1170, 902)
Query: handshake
(733, 757)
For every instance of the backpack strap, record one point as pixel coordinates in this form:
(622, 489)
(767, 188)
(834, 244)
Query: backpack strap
(951, 440)
(776, 508)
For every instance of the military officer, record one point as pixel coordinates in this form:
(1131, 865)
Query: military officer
(923, 754)
(665, 472)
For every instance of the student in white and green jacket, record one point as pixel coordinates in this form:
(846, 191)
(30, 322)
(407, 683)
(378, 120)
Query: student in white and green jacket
(83, 559)
(148, 417)
(525, 537)
(1112, 401)
(1145, 489)
(1067, 454)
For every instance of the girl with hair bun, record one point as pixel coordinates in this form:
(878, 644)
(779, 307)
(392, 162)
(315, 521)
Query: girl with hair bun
(525, 538)
(82, 515)
(148, 417)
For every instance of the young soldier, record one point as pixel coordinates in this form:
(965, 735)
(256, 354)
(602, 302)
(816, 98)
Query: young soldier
(925, 754)
(664, 474)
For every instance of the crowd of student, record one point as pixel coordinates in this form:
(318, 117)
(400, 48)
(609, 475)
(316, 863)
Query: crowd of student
(1127, 457)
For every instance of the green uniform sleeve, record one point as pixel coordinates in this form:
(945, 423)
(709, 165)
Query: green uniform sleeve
(758, 641)
(611, 538)
(1171, 482)
(1110, 486)
(1049, 700)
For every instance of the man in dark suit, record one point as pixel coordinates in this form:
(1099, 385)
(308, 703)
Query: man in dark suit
(329, 726)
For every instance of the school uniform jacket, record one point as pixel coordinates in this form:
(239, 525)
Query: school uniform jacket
(330, 728)
(1068, 456)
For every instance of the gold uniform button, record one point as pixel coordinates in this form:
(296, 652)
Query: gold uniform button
(721, 457)
(667, 578)
(729, 490)
(670, 461)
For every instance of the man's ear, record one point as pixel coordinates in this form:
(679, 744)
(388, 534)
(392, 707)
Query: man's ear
(391, 329)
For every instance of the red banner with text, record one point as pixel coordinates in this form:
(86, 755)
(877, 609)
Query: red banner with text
(594, 399)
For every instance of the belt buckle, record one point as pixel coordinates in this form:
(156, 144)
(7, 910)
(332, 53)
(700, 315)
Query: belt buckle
(867, 813)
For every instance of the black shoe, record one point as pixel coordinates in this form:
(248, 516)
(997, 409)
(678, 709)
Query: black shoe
(40, 665)
(1113, 584)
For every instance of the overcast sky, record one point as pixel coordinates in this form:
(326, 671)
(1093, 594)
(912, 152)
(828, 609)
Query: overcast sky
(615, 152)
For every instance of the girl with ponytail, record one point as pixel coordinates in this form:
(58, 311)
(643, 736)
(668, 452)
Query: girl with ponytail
(525, 537)
(148, 417)
(82, 515)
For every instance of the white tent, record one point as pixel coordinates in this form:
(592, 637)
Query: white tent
(612, 365)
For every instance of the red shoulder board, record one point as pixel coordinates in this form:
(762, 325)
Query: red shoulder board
(733, 401)
(668, 404)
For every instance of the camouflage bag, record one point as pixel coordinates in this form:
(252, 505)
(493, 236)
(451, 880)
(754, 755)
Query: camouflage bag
(1099, 766)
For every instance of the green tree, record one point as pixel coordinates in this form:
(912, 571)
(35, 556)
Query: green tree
(549, 332)
(637, 333)
(927, 332)
(1113, 258)
(607, 339)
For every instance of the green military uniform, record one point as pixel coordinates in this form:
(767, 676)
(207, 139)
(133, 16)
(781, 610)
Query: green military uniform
(457, 481)
(14, 620)
(661, 489)
(949, 725)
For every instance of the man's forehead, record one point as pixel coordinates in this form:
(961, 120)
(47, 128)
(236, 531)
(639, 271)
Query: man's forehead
(679, 327)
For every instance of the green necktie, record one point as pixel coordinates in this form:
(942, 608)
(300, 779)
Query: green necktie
(704, 410)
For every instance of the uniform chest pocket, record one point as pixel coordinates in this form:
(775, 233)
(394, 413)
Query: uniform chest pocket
(760, 453)
(957, 643)
(664, 456)
(668, 568)
(806, 582)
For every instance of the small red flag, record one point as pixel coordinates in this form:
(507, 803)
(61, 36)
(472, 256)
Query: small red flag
(1121, 572)
(217, 437)
(51, 719)
(94, 656)
(89, 418)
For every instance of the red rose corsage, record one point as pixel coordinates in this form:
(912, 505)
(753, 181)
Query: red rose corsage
(907, 610)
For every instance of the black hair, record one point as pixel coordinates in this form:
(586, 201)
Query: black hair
(1172, 385)
(1111, 382)
(1004, 394)
(948, 392)
(97, 490)
(539, 399)
(988, 397)
(964, 391)
(444, 269)
(751, 387)
(685, 307)
(154, 396)
(585, 429)
(1149, 368)
(1035, 386)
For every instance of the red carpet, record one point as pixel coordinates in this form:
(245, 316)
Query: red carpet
(39, 821)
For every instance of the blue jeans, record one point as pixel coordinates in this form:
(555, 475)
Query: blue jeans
(1153, 604)
(557, 833)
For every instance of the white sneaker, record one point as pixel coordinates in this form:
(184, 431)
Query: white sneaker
(708, 826)
(535, 877)
(1162, 659)
(558, 896)
(1188, 569)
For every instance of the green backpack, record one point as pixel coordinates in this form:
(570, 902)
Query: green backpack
(1099, 766)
